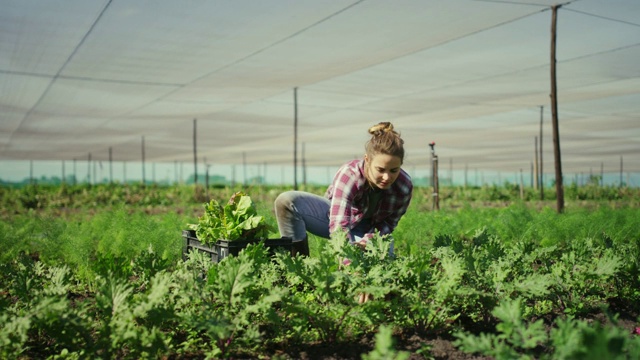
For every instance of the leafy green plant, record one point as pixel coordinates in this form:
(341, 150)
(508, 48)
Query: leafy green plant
(227, 309)
(384, 348)
(41, 311)
(515, 339)
(325, 292)
(569, 338)
(238, 219)
(582, 277)
(131, 324)
(579, 339)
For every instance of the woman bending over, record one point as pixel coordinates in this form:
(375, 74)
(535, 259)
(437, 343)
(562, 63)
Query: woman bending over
(366, 195)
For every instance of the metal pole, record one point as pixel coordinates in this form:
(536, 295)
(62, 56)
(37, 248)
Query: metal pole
(434, 176)
(436, 183)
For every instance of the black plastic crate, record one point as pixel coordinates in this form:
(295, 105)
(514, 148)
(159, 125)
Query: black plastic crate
(224, 248)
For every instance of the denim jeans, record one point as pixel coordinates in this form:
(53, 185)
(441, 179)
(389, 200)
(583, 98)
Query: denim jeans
(298, 212)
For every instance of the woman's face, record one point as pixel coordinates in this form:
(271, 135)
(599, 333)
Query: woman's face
(382, 169)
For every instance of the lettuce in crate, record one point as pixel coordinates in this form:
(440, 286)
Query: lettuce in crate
(237, 220)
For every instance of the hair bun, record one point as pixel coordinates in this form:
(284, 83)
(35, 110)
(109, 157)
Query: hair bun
(381, 128)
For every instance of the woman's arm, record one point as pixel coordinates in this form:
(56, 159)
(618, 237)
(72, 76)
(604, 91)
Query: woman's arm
(395, 206)
(342, 193)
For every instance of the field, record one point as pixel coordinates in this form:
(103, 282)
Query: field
(97, 272)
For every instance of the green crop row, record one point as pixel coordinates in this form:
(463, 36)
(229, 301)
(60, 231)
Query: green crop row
(82, 197)
(252, 306)
(106, 279)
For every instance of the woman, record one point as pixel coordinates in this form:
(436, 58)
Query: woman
(366, 195)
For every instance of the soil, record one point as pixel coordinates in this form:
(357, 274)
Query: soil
(436, 346)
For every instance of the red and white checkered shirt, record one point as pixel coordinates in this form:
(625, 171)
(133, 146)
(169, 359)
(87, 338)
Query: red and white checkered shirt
(349, 197)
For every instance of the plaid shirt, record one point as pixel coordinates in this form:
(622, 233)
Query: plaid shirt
(349, 197)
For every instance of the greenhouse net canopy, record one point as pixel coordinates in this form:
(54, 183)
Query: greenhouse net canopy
(99, 77)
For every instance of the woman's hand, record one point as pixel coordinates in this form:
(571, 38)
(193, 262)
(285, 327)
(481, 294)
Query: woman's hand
(362, 244)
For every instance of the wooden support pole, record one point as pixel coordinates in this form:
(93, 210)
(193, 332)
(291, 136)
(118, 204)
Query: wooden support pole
(144, 180)
(244, 168)
(466, 170)
(554, 114)
(537, 177)
(541, 172)
(206, 176)
(195, 153)
(304, 166)
(295, 138)
(620, 171)
(531, 165)
(89, 168)
(110, 165)
(521, 185)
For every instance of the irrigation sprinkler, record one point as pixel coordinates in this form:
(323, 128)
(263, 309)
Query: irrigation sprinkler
(434, 176)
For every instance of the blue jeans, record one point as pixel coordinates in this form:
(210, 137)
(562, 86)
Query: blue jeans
(298, 212)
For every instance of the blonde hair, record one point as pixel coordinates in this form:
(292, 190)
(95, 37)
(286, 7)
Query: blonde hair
(384, 140)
